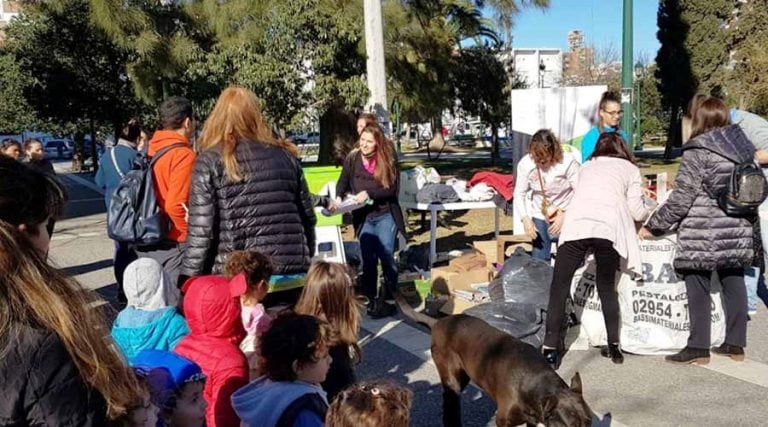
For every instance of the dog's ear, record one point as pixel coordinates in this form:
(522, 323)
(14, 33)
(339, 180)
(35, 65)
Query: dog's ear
(576, 383)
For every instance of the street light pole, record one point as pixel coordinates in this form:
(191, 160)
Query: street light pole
(375, 70)
(626, 71)
(639, 73)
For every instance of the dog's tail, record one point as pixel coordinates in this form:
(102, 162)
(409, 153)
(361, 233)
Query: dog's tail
(412, 314)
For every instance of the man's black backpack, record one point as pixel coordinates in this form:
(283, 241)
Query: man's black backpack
(134, 215)
(746, 190)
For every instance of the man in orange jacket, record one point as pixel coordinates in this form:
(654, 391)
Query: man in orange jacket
(172, 174)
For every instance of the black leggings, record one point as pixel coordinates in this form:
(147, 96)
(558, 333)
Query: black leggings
(570, 255)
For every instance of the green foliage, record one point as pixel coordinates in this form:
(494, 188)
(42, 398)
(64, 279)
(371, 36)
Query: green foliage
(16, 114)
(693, 56)
(653, 118)
(302, 56)
(73, 64)
(73, 76)
(747, 83)
(482, 87)
(162, 39)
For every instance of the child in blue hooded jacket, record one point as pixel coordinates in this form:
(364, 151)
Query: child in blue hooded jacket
(296, 360)
(150, 320)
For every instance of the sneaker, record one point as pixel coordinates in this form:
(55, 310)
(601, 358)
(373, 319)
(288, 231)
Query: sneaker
(734, 352)
(690, 355)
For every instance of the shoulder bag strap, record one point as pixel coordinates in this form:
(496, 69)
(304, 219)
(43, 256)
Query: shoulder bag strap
(114, 161)
(162, 152)
(545, 202)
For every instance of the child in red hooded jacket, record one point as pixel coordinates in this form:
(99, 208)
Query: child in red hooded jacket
(216, 330)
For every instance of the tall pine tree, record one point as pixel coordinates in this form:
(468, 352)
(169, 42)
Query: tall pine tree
(747, 83)
(693, 56)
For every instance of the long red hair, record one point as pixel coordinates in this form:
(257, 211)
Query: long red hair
(237, 118)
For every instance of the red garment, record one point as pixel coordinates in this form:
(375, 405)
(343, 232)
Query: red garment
(173, 177)
(216, 330)
(503, 184)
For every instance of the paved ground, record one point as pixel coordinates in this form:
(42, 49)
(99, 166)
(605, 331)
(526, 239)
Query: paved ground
(645, 391)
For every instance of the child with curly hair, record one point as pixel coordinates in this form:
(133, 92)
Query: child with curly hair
(371, 404)
(295, 359)
(257, 269)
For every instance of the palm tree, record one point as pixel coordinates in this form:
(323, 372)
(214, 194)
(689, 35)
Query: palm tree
(161, 37)
(504, 12)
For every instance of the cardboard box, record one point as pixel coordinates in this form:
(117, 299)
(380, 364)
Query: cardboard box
(506, 245)
(469, 262)
(496, 251)
(487, 248)
(447, 280)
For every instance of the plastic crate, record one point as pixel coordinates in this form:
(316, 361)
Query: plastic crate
(318, 177)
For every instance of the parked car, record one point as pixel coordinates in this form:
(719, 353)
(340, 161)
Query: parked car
(59, 149)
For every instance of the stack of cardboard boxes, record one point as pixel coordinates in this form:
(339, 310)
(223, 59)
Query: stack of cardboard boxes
(463, 283)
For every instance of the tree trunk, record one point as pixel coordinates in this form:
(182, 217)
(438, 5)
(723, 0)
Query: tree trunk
(94, 157)
(673, 132)
(77, 158)
(438, 142)
(494, 144)
(338, 136)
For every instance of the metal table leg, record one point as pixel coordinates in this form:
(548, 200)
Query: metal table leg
(432, 235)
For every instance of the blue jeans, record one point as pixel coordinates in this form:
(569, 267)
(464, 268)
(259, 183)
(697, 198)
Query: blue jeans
(377, 243)
(751, 277)
(542, 245)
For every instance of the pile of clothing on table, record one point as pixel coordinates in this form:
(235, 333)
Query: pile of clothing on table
(484, 186)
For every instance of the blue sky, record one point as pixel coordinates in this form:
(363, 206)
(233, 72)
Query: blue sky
(599, 20)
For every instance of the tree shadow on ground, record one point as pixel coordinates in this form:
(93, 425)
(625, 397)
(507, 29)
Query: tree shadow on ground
(87, 268)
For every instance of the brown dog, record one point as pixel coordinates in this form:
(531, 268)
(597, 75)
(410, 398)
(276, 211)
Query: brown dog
(514, 374)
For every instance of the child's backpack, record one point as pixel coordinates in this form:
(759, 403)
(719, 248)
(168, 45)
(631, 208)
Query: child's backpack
(134, 215)
(746, 190)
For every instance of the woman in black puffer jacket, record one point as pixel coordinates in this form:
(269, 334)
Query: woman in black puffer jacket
(709, 240)
(248, 192)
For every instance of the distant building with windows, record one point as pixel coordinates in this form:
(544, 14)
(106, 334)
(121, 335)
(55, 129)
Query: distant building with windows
(537, 67)
(579, 60)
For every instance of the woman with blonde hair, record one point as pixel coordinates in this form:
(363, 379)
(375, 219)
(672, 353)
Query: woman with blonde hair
(370, 175)
(58, 365)
(248, 192)
(328, 295)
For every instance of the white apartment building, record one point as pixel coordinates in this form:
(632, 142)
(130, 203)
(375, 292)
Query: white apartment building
(537, 67)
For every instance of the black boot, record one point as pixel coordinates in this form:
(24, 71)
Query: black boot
(378, 308)
(552, 357)
(614, 352)
(733, 351)
(690, 355)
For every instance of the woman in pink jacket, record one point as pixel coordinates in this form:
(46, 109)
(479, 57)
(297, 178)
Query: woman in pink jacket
(601, 219)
